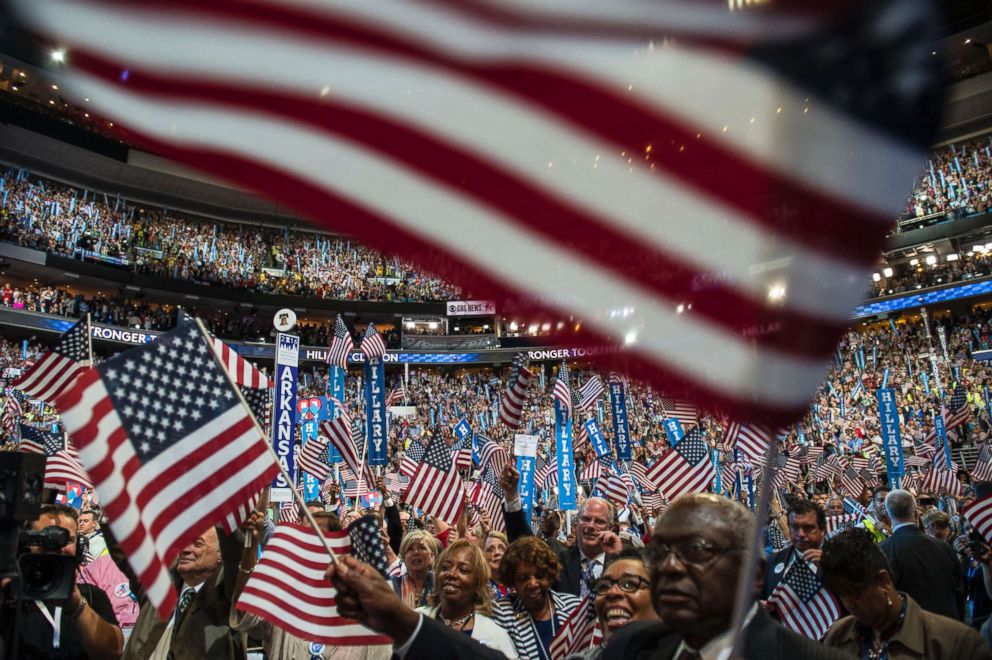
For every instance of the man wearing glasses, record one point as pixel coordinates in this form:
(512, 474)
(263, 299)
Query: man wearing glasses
(694, 560)
(595, 536)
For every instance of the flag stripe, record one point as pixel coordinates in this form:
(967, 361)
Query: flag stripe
(573, 101)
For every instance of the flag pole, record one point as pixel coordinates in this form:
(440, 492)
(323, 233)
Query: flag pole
(752, 553)
(282, 471)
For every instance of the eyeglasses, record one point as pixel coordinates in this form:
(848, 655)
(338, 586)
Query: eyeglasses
(628, 584)
(695, 552)
(595, 522)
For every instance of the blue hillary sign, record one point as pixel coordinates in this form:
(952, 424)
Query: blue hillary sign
(674, 431)
(525, 485)
(888, 417)
(375, 412)
(621, 428)
(566, 468)
(462, 429)
(596, 438)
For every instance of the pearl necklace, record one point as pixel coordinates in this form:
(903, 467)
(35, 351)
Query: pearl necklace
(455, 623)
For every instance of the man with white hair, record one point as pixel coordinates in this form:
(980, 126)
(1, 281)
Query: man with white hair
(926, 569)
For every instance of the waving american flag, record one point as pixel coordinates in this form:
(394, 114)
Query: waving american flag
(766, 150)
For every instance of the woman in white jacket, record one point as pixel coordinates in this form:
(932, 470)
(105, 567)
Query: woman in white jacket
(462, 599)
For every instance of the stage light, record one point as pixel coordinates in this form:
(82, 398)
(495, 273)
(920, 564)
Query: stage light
(876, 277)
(58, 55)
(953, 256)
(931, 260)
(887, 272)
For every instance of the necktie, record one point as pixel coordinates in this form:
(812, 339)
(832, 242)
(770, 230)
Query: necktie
(185, 598)
(588, 577)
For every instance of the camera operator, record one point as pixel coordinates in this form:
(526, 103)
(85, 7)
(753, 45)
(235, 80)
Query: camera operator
(84, 626)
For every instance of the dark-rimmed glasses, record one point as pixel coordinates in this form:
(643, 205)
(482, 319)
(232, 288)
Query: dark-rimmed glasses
(628, 584)
(694, 552)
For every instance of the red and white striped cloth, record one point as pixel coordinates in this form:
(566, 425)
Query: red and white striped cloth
(56, 370)
(512, 404)
(287, 588)
(590, 131)
(342, 437)
(979, 514)
(580, 632)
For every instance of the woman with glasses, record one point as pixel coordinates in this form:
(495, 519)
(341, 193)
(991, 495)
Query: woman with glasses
(533, 614)
(622, 595)
(461, 599)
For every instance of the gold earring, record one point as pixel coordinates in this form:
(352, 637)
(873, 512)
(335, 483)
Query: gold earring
(888, 599)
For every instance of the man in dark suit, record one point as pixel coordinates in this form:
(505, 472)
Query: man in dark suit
(807, 530)
(595, 536)
(695, 559)
(925, 568)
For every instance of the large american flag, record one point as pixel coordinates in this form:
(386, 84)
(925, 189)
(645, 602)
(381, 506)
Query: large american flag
(287, 586)
(686, 468)
(57, 368)
(373, 346)
(436, 486)
(562, 390)
(512, 406)
(347, 439)
(341, 345)
(804, 604)
(170, 446)
(591, 130)
(979, 514)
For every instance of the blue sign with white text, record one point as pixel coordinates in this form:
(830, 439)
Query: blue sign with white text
(566, 468)
(621, 428)
(375, 412)
(888, 417)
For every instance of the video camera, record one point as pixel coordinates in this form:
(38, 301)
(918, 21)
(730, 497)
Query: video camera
(45, 576)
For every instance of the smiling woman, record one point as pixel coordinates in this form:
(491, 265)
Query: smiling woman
(461, 597)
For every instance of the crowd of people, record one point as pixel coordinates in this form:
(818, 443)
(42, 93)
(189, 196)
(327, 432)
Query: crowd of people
(47, 215)
(912, 277)
(126, 310)
(955, 181)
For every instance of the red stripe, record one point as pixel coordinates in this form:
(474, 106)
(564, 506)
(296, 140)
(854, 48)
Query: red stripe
(380, 234)
(717, 171)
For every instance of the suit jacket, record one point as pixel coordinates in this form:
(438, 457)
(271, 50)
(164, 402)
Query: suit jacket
(772, 578)
(926, 569)
(570, 577)
(203, 630)
(922, 635)
(766, 639)
(437, 642)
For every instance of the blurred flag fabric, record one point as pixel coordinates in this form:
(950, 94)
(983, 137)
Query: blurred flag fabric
(676, 183)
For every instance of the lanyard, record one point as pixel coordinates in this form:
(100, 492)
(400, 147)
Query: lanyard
(56, 622)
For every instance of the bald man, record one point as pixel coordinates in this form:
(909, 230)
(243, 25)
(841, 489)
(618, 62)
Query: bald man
(695, 557)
